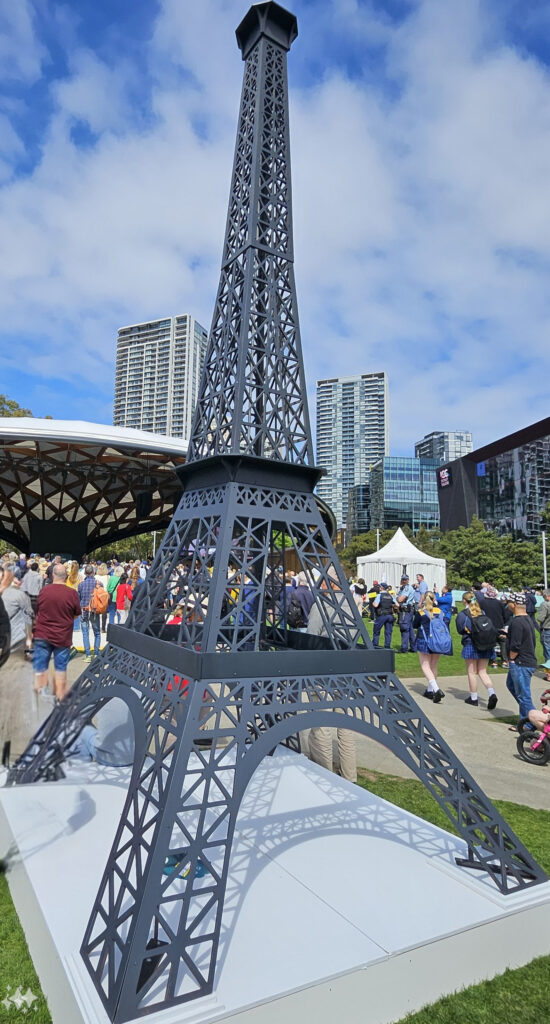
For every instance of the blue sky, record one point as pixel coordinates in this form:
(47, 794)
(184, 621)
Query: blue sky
(421, 169)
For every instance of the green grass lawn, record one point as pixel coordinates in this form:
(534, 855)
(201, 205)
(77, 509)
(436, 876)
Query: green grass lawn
(407, 666)
(515, 995)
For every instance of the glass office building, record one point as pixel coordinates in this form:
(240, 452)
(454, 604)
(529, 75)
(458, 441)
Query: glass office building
(352, 434)
(358, 510)
(444, 445)
(403, 491)
(506, 484)
(514, 487)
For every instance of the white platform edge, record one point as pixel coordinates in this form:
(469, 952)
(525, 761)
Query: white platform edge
(386, 989)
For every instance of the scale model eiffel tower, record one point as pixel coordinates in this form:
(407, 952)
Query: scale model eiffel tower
(214, 693)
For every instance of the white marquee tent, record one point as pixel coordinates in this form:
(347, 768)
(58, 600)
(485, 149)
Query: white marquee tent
(400, 556)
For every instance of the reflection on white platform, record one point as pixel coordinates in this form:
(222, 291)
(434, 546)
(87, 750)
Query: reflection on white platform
(334, 896)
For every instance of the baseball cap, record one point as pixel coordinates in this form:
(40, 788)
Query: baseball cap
(517, 598)
(546, 664)
(404, 578)
(375, 583)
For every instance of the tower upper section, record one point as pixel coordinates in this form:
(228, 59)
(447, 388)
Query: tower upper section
(253, 395)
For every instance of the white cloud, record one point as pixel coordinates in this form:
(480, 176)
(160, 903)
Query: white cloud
(21, 53)
(421, 209)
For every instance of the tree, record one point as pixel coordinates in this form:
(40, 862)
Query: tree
(472, 553)
(9, 407)
(140, 546)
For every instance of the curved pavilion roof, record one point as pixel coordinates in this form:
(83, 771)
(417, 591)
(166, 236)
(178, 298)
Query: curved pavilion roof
(87, 477)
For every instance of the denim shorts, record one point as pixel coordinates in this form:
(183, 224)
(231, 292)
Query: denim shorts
(43, 651)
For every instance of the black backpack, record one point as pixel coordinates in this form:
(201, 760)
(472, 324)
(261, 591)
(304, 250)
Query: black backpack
(483, 633)
(294, 616)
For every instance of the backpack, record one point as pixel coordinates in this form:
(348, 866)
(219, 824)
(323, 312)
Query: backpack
(438, 640)
(482, 632)
(99, 601)
(295, 616)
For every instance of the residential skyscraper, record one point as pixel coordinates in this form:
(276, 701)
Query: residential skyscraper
(352, 434)
(158, 372)
(444, 445)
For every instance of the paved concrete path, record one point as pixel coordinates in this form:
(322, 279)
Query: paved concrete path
(485, 746)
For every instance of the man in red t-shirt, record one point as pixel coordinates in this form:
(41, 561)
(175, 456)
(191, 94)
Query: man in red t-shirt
(57, 608)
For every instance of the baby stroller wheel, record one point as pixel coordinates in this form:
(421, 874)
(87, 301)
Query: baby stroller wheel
(525, 748)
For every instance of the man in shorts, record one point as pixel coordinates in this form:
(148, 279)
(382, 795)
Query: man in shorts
(57, 608)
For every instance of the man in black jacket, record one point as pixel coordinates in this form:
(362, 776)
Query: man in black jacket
(499, 614)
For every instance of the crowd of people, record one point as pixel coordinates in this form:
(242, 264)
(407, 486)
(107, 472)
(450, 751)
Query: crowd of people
(493, 626)
(43, 600)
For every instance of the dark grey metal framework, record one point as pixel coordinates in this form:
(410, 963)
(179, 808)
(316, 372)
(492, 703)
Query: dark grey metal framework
(214, 693)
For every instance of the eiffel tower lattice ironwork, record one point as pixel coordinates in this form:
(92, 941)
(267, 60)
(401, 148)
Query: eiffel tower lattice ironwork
(214, 689)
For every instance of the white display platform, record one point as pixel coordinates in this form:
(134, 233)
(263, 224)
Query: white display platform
(339, 905)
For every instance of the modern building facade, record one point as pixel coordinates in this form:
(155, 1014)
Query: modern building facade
(404, 491)
(158, 372)
(444, 445)
(359, 513)
(506, 484)
(352, 434)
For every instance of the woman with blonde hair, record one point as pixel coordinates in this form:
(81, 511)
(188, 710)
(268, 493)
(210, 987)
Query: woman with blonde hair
(428, 660)
(72, 576)
(476, 661)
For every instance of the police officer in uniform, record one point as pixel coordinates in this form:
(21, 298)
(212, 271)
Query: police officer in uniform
(406, 604)
(383, 605)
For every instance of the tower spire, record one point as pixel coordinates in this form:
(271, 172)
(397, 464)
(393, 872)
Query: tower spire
(253, 396)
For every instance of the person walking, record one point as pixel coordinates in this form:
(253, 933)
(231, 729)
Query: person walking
(112, 584)
(488, 600)
(58, 607)
(476, 660)
(520, 646)
(359, 591)
(102, 576)
(32, 584)
(542, 619)
(89, 617)
(406, 608)
(123, 598)
(19, 609)
(428, 659)
(320, 738)
(383, 606)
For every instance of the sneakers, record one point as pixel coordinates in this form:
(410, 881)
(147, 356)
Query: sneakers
(474, 703)
(438, 696)
(492, 702)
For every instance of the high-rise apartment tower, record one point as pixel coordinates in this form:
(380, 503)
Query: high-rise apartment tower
(444, 445)
(158, 372)
(352, 434)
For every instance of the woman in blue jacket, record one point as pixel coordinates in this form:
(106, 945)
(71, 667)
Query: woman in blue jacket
(476, 661)
(445, 602)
